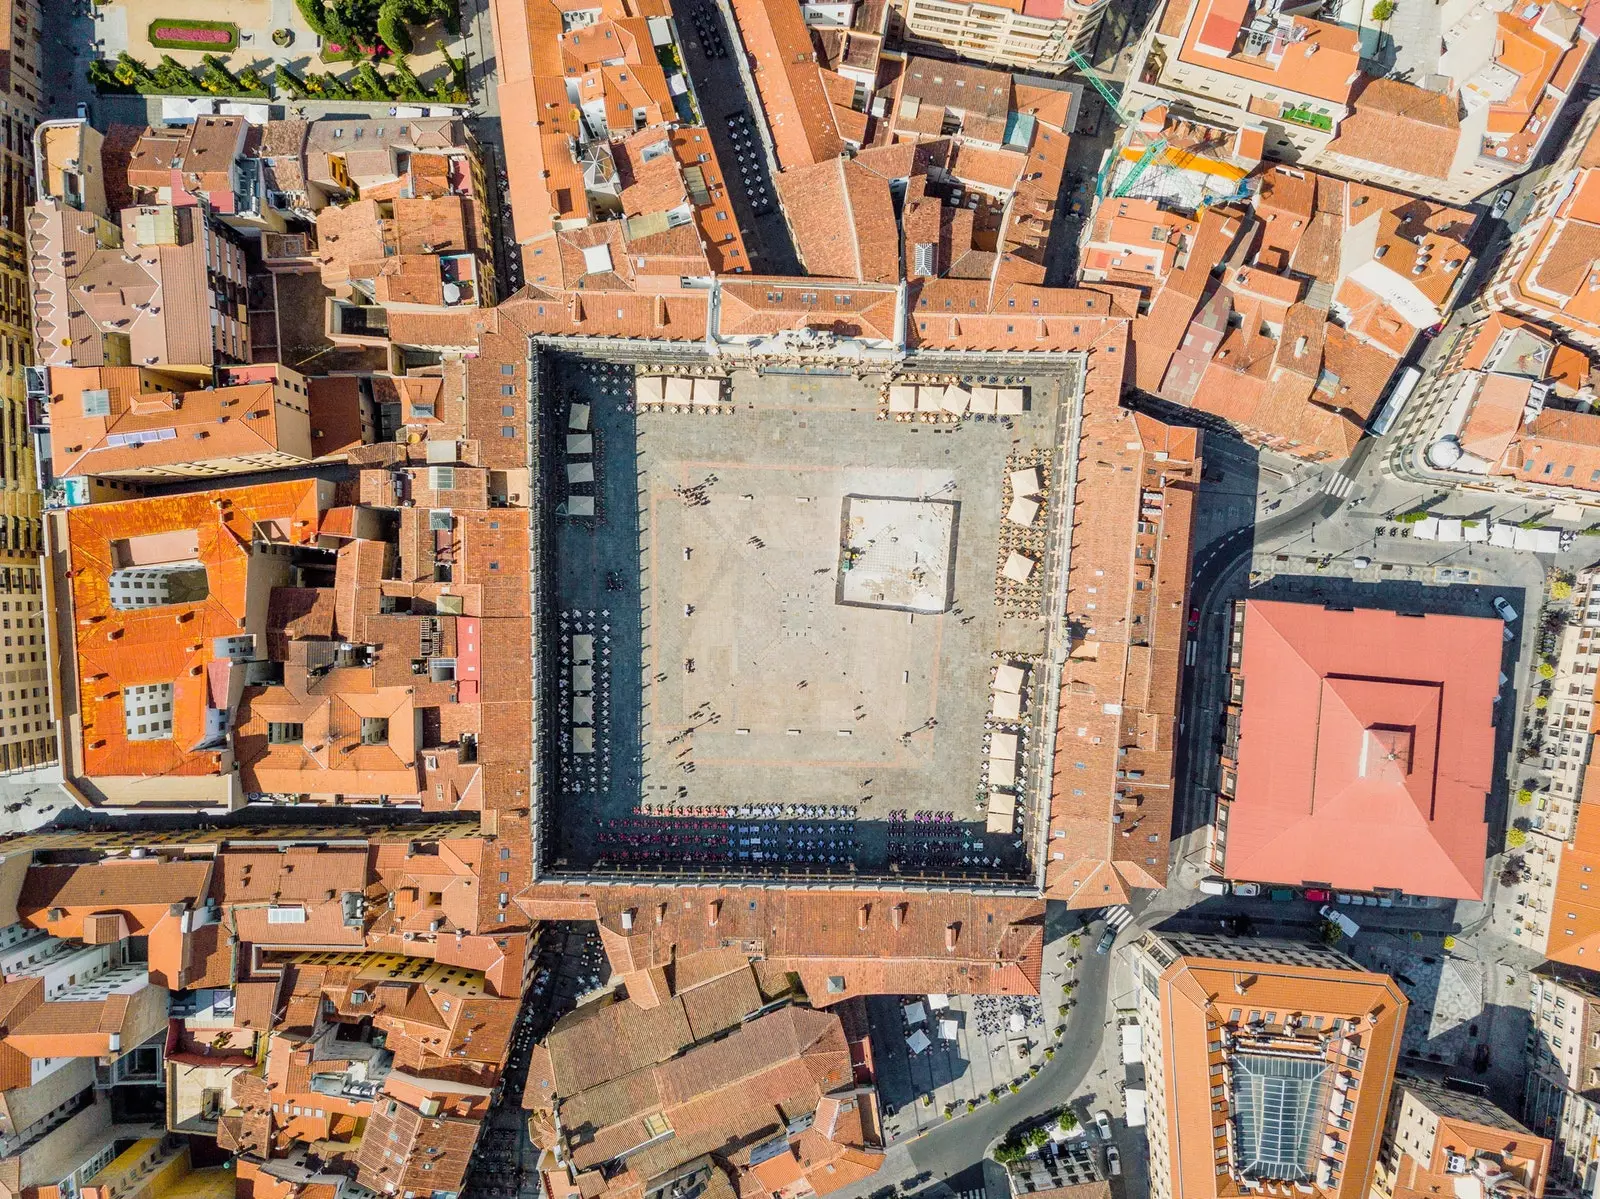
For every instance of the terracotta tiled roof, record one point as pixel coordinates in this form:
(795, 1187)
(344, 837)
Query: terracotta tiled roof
(1403, 126)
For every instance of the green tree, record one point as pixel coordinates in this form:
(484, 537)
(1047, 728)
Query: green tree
(368, 84)
(314, 15)
(406, 85)
(104, 78)
(1560, 590)
(1383, 10)
(285, 78)
(251, 83)
(1067, 1121)
(130, 71)
(172, 76)
(1541, 702)
(1524, 795)
(1546, 671)
(1515, 839)
(217, 79)
(392, 28)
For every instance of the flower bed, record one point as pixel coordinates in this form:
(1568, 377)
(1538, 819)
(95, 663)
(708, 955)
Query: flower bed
(194, 35)
(334, 52)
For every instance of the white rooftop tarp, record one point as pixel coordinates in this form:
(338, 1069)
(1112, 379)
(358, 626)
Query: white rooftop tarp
(1008, 677)
(1007, 705)
(578, 418)
(1134, 1099)
(1022, 511)
(1025, 482)
(1132, 1045)
(1018, 567)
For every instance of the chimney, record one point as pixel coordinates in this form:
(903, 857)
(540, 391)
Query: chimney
(713, 912)
(951, 932)
(897, 914)
(862, 913)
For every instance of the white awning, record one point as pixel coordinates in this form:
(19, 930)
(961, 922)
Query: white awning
(1008, 677)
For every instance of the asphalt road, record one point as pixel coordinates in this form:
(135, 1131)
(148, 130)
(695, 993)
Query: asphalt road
(948, 1149)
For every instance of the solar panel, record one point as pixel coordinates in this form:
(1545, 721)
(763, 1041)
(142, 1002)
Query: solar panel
(1279, 1105)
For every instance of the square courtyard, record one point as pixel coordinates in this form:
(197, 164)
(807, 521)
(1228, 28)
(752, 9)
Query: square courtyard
(742, 679)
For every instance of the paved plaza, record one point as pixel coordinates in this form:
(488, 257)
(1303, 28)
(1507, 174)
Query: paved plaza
(736, 662)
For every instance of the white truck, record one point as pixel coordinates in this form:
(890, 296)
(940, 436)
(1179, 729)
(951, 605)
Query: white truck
(1346, 925)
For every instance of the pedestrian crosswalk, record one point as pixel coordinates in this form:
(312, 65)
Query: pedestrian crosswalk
(1338, 485)
(1118, 917)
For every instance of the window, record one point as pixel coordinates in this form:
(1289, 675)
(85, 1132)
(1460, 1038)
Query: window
(147, 711)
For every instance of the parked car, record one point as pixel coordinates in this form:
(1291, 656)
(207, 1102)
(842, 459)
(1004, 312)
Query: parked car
(1502, 204)
(1507, 612)
(1281, 894)
(1214, 886)
(1248, 890)
(1107, 939)
(1102, 1121)
(1318, 895)
(1113, 1161)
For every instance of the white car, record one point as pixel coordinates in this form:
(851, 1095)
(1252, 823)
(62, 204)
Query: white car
(1247, 890)
(1113, 1161)
(1102, 1121)
(1506, 611)
(1502, 204)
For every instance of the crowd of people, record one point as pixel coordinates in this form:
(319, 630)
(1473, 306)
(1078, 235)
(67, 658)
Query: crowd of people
(809, 844)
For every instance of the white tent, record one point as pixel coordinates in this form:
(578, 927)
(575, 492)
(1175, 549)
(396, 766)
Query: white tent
(1502, 535)
(583, 709)
(1449, 528)
(983, 400)
(580, 505)
(1025, 482)
(918, 1042)
(707, 391)
(578, 418)
(583, 677)
(680, 390)
(1022, 511)
(956, 398)
(915, 1013)
(1132, 1044)
(580, 443)
(902, 398)
(938, 1002)
(580, 472)
(1475, 531)
(929, 399)
(1003, 772)
(650, 389)
(1539, 541)
(1008, 401)
(583, 647)
(583, 740)
(1007, 705)
(949, 1030)
(1017, 1022)
(1018, 567)
(1134, 1098)
(1003, 745)
(1008, 677)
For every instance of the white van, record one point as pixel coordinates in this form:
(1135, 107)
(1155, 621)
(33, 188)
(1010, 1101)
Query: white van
(1214, 886)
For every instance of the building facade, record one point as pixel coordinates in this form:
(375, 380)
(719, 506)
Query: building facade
(1035, 34)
